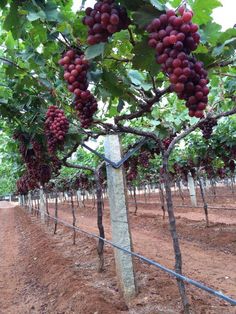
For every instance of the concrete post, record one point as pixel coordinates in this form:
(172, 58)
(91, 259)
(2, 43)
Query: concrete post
(19, 200)
(79, 198)
(117, 194)
(192, 190)
(29, 202)
(208, 184)
(23, 200)
(42, 206)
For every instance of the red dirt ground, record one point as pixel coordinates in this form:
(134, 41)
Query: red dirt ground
(45, 273)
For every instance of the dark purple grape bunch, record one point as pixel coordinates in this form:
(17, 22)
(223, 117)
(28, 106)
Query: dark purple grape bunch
(86, 105)
(105, 19)
(207, 127)
(174, 37)
(143, 159)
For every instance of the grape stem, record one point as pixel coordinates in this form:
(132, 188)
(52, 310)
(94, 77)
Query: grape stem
(132, 41)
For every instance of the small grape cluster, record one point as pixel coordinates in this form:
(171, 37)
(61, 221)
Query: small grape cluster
(82, 182)
(26, 184)
(76, 68)
(86, 105)
(45, 173)
(166, 141)
(174, 37)
(105, 19)
(131, 167)
(56, 128)
(231, 165)
(207, 127)
(144, 159)
(75, 71)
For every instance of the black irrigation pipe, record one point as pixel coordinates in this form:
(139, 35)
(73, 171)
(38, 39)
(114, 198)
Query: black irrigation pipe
(151, 262)
(118, 164)
(189, 206)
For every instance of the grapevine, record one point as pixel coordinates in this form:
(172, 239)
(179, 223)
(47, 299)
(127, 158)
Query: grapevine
(174, 37)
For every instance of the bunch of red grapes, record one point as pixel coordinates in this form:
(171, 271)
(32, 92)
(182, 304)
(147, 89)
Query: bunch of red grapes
(56, 128)
(82, 182)
(75, 73)
(132, 168)
(143, 159)
(207, 127)
(25, 184)
(45, 173)
(166, 141)
(105, 19)
(174, 37)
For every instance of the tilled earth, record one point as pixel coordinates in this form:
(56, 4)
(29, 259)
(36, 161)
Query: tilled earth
(45, 273)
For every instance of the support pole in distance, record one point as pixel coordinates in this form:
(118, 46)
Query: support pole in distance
(119, 217)
(42, 206)
(192, 190)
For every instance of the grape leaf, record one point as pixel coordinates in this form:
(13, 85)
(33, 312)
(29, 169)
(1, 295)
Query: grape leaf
(94, 51)
(145, 15)
(144, 58)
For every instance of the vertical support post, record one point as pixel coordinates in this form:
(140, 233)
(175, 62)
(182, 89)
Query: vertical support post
(117, 194)
(30, 207)
(192, 190)
(79, 198)
(42, 206)
(23, 200)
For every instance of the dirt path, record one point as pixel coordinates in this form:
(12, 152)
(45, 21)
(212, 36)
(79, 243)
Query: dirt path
(208, 263)
(42, 273)
(13, 296)
(36, 277)
(210, 266)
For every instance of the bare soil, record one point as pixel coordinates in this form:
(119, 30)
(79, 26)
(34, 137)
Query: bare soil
(45, 273)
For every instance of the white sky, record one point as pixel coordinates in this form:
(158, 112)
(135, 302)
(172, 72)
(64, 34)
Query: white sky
(225, 15)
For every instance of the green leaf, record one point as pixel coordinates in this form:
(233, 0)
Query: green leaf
(211, 33)
(3, 3)
(13, 20)
(228, 34)
(201, 49)
(10, 42)
(144, 58)
(145, 15)
(94, 51)
(132, 5)
(203, 9)
(33, 16)
(136, 77)
(52, 13)
(158, 5)
(220, 49)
